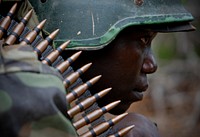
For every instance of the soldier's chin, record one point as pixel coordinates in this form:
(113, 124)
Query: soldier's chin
(121, 108)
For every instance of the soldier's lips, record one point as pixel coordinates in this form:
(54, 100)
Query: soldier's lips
(138, 93)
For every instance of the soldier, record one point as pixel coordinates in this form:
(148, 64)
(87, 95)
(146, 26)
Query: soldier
(116, 37)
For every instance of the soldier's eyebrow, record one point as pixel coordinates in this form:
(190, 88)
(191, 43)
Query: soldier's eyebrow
(149, 34)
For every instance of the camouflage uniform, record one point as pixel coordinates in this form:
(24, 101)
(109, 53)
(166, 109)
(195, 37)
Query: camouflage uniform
(32, 96)
(37, 114)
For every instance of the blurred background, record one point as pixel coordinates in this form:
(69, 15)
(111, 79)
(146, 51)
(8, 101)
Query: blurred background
(173, 99)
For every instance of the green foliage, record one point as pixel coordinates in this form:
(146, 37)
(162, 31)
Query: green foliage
(164, 47)
(197, 49)
(165, 52)
(184, 1)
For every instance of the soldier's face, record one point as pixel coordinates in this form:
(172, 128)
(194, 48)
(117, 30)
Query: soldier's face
(124, 65)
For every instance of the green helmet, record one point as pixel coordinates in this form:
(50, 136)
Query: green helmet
(92, 24)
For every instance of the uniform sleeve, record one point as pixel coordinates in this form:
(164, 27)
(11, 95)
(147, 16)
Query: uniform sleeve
(32, 97)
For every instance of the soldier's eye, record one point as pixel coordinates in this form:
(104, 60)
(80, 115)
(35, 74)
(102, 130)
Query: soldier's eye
(145, 40)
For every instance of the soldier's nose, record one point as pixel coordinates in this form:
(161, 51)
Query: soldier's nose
(149, 65)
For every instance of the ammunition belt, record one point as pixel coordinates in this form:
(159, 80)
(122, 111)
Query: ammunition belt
(72, 82)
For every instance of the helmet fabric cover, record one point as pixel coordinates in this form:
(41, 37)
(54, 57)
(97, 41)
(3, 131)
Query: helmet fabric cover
(92, 24)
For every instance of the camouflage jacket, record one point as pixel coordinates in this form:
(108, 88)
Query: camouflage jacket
(32, 96)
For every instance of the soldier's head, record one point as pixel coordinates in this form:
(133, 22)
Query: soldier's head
(116, 37)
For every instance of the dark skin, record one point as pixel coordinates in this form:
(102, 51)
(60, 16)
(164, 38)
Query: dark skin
(124, 65)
